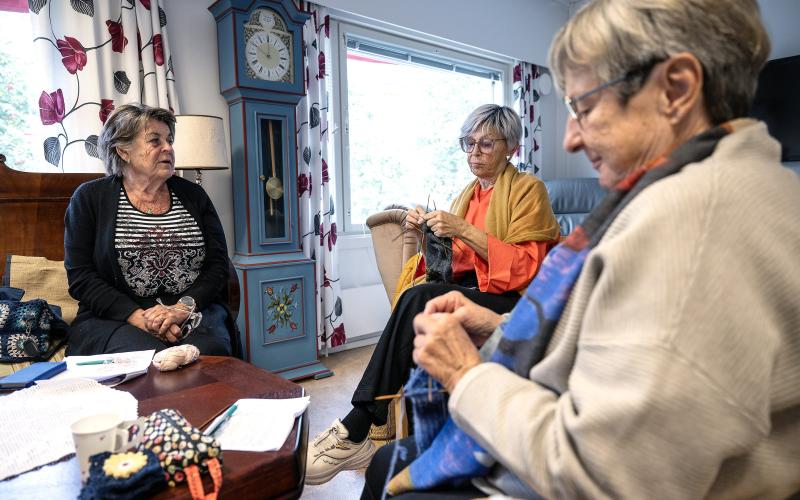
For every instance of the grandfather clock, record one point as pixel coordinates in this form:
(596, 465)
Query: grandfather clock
(261, 76)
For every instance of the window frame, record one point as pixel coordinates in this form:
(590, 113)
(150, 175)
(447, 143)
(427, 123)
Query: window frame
(417, 45)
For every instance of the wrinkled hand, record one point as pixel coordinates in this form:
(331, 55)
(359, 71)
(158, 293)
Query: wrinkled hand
(478, 321)
(445, 225)
(165, 322)
(414, 221)
(443, 348)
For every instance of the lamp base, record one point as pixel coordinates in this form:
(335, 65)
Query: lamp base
(198, 176)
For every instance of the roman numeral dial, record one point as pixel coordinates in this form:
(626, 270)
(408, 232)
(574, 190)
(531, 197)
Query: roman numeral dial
(268, 56)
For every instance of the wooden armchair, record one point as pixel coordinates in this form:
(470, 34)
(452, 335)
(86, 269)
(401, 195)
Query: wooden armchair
(393, 247)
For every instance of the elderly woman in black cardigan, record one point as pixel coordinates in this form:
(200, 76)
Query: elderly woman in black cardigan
(144, 250)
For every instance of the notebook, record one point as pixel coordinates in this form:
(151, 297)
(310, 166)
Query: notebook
(31, 373)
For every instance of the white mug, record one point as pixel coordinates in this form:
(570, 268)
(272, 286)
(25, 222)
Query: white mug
(99, 433)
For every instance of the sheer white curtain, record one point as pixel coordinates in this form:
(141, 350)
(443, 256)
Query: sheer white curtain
(96, 56)
(316, 180)
(526, 102)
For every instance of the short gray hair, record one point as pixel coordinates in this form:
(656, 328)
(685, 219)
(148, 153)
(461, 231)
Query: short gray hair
(501, 119)
(612, 37)
(121, 129)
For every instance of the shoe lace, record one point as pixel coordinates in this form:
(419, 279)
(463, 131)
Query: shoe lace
(331, 436)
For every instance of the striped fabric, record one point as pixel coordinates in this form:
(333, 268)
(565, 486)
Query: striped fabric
(158, 254)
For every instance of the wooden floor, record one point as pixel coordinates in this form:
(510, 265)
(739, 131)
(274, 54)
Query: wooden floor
(330, 399)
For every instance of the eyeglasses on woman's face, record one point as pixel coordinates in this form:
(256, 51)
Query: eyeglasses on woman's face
(571, 102)
(485, 145)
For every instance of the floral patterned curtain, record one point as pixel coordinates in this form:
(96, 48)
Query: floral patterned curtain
(316, 181)
(528, 157)
(96, 56)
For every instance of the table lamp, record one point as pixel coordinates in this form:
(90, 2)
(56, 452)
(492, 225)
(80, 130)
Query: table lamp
(200, 144)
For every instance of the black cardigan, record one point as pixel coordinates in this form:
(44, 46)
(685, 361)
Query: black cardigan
(95, 278)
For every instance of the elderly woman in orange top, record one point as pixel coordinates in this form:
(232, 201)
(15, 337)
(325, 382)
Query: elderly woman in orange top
(500, 228)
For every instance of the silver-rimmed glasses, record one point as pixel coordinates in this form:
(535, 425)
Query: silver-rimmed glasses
(485, 145)
(191, 323)
(642, 69)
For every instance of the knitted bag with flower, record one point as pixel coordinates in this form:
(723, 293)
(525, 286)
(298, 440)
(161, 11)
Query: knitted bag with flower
(123, 476)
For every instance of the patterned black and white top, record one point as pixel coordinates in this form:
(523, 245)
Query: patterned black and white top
(158, 254)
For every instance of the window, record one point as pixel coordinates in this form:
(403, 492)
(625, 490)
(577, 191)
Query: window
(401, 106)
(20, 125)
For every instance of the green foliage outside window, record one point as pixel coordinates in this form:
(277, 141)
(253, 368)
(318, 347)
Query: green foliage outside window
(15, 109)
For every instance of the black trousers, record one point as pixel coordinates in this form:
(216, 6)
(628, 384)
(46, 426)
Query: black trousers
(391, 362)
(375, 478)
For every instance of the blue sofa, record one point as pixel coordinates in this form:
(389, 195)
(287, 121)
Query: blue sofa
(573, 199)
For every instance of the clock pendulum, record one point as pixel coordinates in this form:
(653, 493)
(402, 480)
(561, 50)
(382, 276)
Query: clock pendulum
(273, 186)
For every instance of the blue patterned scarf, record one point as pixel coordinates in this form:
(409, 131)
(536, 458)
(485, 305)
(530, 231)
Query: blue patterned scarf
(446, 454)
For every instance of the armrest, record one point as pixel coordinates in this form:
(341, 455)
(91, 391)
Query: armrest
(392, 245)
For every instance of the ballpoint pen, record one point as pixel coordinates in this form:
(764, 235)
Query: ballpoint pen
(221, 421)
(95, 362)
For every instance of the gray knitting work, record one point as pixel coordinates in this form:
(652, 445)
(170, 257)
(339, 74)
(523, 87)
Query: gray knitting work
(438, 257)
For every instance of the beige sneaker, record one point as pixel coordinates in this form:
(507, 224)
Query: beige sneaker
(331, 452)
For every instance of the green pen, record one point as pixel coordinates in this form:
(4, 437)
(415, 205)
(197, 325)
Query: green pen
(95, 362)
(225, 418)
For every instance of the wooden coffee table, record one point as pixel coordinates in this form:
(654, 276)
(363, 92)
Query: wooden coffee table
(203, 390)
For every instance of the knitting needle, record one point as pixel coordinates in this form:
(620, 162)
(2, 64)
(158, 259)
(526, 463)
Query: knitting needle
(399, 395)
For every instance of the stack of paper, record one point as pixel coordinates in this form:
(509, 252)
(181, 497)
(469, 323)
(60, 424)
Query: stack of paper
(110, 369)
(259, 424)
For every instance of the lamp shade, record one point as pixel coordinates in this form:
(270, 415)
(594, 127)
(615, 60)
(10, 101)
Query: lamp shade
(200, 143)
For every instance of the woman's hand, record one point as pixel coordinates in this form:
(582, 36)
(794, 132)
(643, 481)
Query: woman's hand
(165, 322)
(446, 225)
(414, 221)
(137, 319)
(443, 348)
(479, 322)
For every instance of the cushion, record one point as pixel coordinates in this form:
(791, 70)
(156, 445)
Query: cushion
(40, 278)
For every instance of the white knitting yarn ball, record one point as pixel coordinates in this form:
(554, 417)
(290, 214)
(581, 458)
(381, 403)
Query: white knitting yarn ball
(175, 357)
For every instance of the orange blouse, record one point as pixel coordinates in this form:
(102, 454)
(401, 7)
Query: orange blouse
(510, 266)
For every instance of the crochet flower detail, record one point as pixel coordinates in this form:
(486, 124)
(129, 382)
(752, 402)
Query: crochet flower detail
(123, 465)
(5, 309)
(16, 345)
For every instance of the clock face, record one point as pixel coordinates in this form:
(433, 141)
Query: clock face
(268, 57)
